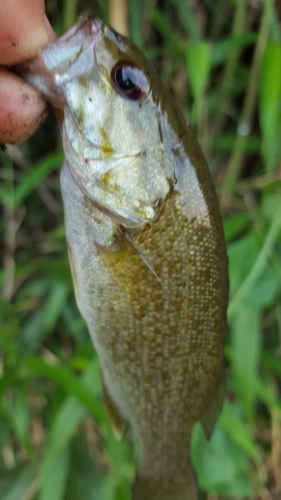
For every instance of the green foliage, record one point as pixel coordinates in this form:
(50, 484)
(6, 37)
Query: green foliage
(222, 61)
(269, 103)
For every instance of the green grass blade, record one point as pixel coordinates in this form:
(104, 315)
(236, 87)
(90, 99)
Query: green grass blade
(38, 173)
(54, 476)
(22, 483)
(239, 431)
(245, 354)
(198, 60)
(136, 10)
(269, 103)
(64, 377)
(72, 411)
(54, 305)
(188, 19)
(258, 265)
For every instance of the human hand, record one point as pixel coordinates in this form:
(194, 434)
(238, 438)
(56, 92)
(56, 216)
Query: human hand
(24, 29)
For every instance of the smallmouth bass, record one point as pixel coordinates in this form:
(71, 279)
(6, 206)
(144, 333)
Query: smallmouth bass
(146, 247)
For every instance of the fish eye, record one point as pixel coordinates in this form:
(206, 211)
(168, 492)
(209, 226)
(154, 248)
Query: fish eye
(130, 80)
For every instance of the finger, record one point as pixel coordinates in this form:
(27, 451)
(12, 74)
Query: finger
(22, 30)
(22, 108)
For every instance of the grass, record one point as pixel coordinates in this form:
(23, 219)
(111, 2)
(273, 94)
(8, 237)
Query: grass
(222, 61)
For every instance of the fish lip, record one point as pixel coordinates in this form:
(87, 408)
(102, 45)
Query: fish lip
(75, 41)
(49, 70)
(83, 33)
(84, 37)
(84, 25)
(92, 26)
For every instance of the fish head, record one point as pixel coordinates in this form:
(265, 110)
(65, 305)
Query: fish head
(116, 132)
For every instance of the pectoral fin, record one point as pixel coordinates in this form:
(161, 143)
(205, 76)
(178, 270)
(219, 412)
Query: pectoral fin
(128, 265)
(73, 275)
(142, 257)
(117, 421)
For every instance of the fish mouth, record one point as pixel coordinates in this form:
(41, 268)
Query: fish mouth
(77, 38)
(70, 56)
(90, 27)
(61, 55)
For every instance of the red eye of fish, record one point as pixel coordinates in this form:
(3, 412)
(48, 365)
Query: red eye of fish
(130, 80)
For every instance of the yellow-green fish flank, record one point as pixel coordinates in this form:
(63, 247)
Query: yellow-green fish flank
(146, 248)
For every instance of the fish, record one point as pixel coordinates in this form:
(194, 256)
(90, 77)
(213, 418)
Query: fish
(146, 247)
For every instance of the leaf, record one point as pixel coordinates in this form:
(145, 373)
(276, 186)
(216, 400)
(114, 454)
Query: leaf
(72, 410)
(223, 48)
(136, 10)
(163, 25)
(21, 483)
(239, 431)
(47, 314)
(54, 476)
(13, 422)
(108, 487)
(123, 491)
(21, 417)
(188, 19)
(54, 305)
(249, 247)
(245, 341)
(271, 363)
(226, 142)
(198, 60)
(258, 264)
(268, 396)
(72, 385)
(266, 288)
(85, 479)
(269, 103)
(33, 178)
(220, 464)
(32, 333)
(235, 225)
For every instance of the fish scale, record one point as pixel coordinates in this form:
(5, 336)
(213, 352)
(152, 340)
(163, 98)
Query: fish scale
(146, 250)
(143, 321)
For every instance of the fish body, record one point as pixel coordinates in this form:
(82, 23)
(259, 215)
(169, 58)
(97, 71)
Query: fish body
(146, 248)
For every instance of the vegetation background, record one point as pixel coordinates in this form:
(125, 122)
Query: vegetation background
(221, 60)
